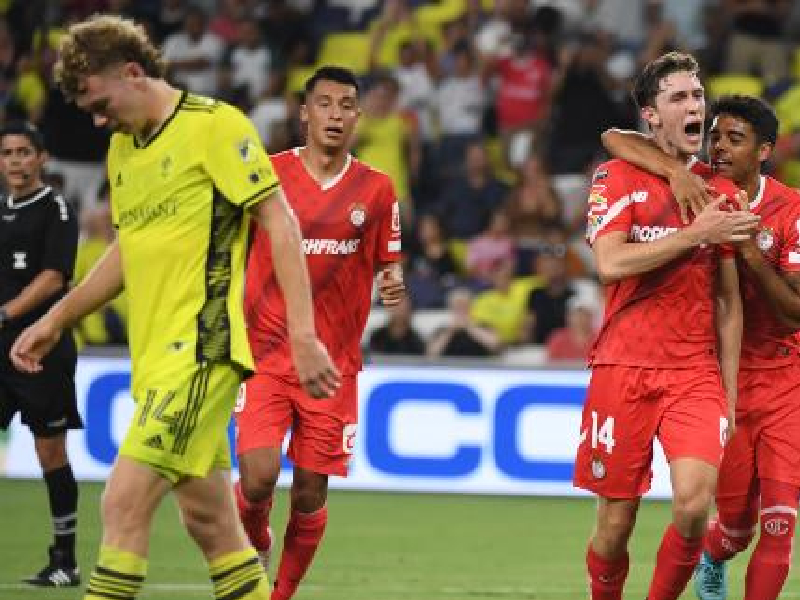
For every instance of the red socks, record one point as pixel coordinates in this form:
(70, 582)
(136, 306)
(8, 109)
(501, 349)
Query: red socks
(606, 577)
(769, 564)
(255, 518)
(675, 562)
(303, 535)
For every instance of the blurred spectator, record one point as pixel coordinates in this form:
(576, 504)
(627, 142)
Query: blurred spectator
(686, 17)
(249, 61)
(522, 98)
(395, 27)
(416, 85)
(503, 308)
(459, 103)
(455, 36)
(756, 45)
(169, 18)
(270, 113)
(574, 341)
(583, 106)
(711, 55)
(30, 92)
(385, 139)
(431, 270)
(495, 37)
(468, 202)
(8, 66)
(463, 336)
(624, 19)
(107, 324)
(495, 245)
(193, 54)
(534, 205)
(287, 31)
(397, 336)
(226, 22)
(547, 305)
(77, 148)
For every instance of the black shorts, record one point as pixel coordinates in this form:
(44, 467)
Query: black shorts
(46, 400)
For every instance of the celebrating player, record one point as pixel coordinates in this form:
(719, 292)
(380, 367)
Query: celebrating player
(350, 221)
(759, 477)
(38, 243)
(185, 171)
(657, 370)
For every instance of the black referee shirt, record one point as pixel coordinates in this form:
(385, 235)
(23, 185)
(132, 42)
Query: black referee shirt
(37, 232)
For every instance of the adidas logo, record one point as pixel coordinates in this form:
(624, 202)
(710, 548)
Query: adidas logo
(154, 442)
(60, 578)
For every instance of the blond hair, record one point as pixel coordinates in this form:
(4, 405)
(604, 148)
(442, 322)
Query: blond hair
(102, 41)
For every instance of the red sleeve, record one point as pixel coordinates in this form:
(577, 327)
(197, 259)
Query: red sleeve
(610, 201)
(388, 241)
(790, 249)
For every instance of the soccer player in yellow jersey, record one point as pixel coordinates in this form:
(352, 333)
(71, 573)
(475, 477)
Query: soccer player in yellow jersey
(185, 173)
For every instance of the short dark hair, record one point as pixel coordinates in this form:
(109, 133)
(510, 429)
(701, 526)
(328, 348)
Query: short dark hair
(648, 82)
(752, 110)
(331, 73)
(26, 129)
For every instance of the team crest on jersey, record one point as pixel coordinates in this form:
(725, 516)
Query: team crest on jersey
(358, 214)
(247, 150)
(765, 239)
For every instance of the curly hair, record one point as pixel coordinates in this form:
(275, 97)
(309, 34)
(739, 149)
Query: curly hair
(102, 41)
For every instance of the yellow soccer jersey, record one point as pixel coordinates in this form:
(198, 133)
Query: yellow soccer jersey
(179, 204)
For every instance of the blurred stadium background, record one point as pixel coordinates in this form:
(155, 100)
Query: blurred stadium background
(486, 114)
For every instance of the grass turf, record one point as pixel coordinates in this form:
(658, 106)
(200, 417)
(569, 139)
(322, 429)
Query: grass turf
(379, 546)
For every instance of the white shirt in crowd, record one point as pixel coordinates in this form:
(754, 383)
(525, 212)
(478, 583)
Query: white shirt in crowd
(250, 67)
(460, 102)
(178, 47)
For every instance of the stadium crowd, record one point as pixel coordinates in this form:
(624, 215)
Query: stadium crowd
(486, 115)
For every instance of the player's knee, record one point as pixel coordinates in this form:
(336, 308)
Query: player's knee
(309, 491)
(51, 452)
(258, 484)
(690, 510)
(614, 529)
(122, 512)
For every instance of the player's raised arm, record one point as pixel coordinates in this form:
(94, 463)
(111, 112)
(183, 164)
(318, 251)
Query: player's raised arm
(102, 284)
(315, 369)
(689, 189)
(729, 322)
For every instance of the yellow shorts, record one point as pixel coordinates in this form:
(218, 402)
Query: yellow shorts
(181, 430)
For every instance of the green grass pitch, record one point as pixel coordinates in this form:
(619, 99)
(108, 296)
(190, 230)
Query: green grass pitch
(379, 546)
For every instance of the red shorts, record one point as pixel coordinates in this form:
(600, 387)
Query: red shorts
(766, 444)
(323, 431)
(627, 407)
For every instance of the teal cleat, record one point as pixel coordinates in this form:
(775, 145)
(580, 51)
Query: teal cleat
(709, 579)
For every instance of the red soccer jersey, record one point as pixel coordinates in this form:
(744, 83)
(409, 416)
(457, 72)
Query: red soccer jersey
(664, 318)
(350, 226)
(766, 342)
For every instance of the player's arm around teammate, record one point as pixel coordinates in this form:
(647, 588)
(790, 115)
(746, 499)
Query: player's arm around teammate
(691, 191)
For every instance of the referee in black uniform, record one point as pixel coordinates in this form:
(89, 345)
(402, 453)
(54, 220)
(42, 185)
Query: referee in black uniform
(38, 243)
